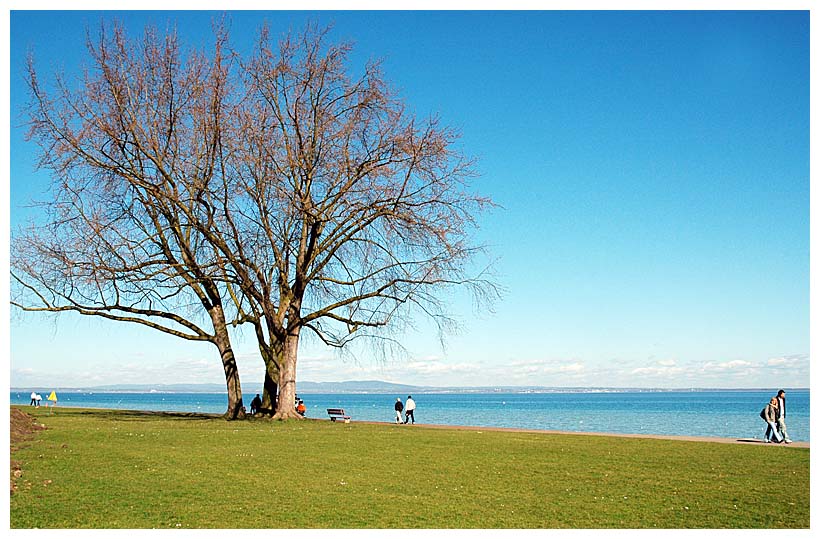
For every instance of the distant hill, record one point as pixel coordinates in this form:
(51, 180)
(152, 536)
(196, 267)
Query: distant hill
(140, 388)
(366, 386)
(353, 386)
(358, 386)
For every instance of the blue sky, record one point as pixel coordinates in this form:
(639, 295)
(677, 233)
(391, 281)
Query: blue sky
(652, 173)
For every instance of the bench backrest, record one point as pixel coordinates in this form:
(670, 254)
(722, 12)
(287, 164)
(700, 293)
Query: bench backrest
(335, 411)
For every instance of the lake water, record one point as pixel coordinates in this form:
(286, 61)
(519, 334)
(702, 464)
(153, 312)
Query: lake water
(728, 414)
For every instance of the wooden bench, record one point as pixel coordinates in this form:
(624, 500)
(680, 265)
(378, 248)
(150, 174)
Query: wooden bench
(338, 413)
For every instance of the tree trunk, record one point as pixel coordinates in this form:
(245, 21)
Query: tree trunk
(236, 409)
(287, 378)
(272, 357)
(270, 390)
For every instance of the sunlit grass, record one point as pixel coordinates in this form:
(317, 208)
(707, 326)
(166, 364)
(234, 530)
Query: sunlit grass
(113, 469)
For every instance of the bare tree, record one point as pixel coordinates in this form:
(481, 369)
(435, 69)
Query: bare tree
(128, 150)
(347, 213)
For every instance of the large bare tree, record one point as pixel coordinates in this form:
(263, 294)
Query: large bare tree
(313, 199)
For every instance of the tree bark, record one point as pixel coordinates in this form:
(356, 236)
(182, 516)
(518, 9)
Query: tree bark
(270, 390)
(223, 343)
(287, 377)
(272, 357)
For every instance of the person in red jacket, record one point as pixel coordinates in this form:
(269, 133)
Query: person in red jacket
(301, 409)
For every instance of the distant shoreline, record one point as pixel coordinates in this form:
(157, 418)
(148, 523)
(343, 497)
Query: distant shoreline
(419, 389)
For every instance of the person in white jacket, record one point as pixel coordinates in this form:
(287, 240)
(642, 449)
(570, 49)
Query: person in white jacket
(409, 408)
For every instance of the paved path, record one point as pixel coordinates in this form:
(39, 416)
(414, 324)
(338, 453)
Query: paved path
(748, 441)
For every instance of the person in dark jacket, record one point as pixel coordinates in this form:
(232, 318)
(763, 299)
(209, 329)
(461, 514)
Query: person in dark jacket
(256, 404)
(399, 407)
(781, 416)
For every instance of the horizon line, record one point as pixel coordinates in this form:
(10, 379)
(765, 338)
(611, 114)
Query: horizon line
(422, 387)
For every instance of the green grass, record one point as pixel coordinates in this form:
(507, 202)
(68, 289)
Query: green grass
(110, 469)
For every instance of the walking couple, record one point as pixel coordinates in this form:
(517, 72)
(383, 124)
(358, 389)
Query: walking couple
(408, 407)
(774, 414)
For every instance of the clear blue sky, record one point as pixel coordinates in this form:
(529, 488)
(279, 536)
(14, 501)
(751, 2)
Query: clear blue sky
(652, 171)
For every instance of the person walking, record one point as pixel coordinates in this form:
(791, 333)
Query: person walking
(781, 416)
(769, 415)
(399, 407)
(409, 409)
(33, 399)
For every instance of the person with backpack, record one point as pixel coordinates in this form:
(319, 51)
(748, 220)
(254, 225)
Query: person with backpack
(769, 415)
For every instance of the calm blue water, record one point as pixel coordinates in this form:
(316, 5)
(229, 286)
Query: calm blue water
(731, 414)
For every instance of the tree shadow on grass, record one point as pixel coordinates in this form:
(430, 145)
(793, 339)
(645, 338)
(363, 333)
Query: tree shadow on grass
(139, 415)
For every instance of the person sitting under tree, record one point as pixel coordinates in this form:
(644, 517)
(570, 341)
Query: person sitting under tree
(256, 404)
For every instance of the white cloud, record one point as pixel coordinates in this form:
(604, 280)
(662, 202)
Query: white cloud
(789, 362)
(429, 369)
(428, 359)
(537, 363)
(546, 372)
(430, 366)
(737, 364)
(248, 356)
(542, 366)
(572, 367)
(317, 360)
(661, 372)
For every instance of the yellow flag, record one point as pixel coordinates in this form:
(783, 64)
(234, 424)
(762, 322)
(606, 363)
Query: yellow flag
(53, 396)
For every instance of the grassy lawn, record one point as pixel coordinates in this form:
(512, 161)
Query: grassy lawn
(112, 469)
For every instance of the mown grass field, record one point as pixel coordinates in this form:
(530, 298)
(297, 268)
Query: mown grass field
(113, 469)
